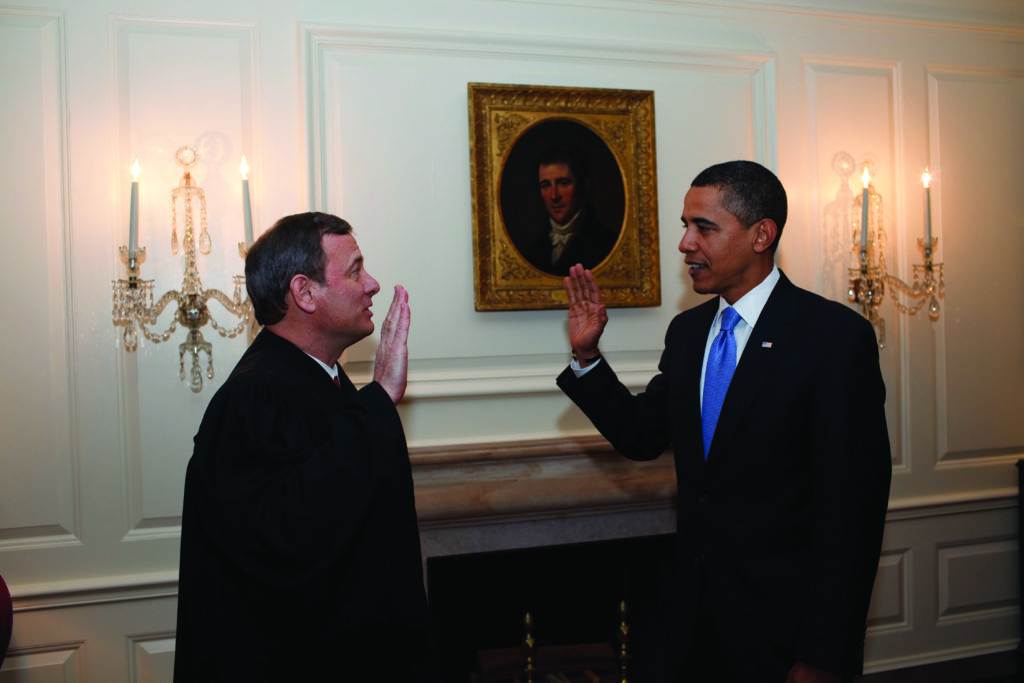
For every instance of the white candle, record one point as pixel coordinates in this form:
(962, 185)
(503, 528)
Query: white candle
(133, 213)
(243, 168)
(926, 180)
(864, 202)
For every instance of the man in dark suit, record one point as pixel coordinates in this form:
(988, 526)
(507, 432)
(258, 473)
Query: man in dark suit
(572, 233)
(300, 555)
(772, 400)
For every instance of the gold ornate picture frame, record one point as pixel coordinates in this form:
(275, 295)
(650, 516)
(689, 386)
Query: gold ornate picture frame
(609, 135)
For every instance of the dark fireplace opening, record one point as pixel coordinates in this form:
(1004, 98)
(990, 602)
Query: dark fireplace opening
(572, 592)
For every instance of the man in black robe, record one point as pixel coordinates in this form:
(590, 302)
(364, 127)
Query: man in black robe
(300, 554)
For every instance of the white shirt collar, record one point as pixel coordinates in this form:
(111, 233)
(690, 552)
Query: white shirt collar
(568, 227)
(331, 370)
(750, 305)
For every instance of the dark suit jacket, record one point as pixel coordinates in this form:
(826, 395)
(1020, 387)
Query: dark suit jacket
(780, 529)
(591, 244)
(299, 546)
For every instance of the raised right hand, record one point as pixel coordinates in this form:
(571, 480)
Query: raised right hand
(391, 367)
(587, 315)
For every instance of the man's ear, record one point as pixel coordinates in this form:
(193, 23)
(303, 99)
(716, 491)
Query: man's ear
(765, 232)
(301, 291)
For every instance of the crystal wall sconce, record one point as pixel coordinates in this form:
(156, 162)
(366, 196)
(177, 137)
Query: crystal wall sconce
(869, 279)
(134, 309)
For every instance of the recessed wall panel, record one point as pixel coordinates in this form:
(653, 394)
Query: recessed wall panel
(56, 666)
(38, 496)
(976, 578)
(181, 84)
(853, 123)
(889, 606)
(978, 159)
(152, 659)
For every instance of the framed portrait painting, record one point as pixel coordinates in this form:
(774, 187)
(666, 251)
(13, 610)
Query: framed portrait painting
(562, 176)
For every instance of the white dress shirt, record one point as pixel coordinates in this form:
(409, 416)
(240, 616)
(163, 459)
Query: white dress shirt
(749, 307)
(331, 370)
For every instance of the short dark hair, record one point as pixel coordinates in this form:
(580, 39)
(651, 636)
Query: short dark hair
(749, 191)
(571, 157)
(291, 247)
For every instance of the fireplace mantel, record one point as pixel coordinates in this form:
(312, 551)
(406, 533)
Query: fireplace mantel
(534, 478)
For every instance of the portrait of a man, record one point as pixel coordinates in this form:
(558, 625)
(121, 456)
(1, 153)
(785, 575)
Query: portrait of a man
(562, 175)
(562, 197)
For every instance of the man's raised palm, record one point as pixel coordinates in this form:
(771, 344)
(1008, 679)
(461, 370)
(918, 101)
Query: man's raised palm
(587, 315)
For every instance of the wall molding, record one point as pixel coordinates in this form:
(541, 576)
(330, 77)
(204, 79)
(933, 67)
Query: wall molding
(934, 74)
(443, 472)
(94, 591)
(936, 656)
(59, 282)
(320, 41)
(533, 378)
(813, 65)
(955, 503)
(138, 525)
(886, 12)
(994, 457)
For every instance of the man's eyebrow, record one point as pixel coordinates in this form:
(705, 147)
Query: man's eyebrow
(699, 221)
(355, 260)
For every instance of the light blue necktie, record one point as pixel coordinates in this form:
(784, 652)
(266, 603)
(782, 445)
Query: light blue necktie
(721, 365)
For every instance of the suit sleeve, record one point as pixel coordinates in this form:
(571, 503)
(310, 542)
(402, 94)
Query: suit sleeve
(851, 470)
(635, 425)
(284, 485)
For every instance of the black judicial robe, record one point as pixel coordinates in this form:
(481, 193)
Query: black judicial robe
(300, 554)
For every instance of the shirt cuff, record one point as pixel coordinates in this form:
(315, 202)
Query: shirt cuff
(579, 371)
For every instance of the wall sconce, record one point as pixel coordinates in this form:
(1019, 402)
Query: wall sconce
(134, 309)
(868, 280)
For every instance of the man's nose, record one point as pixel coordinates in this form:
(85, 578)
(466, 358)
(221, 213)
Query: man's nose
(685, 244)
(372, 286)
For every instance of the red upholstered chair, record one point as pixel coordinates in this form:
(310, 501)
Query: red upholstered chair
(6, 619)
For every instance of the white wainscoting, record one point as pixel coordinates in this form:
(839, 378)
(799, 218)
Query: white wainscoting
(946, 588)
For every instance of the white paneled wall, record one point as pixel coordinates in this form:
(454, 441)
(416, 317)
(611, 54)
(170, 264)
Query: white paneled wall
(40, 496)
(360, 109)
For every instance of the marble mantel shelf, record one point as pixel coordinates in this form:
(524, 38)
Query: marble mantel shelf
(465, 483)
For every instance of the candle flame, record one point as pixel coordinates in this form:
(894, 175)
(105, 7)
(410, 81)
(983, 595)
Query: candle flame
(243, 168)
(865, 177)
(926, 178)
(136, 170)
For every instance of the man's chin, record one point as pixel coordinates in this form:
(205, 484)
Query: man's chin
(365, 331)
(700, 286)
